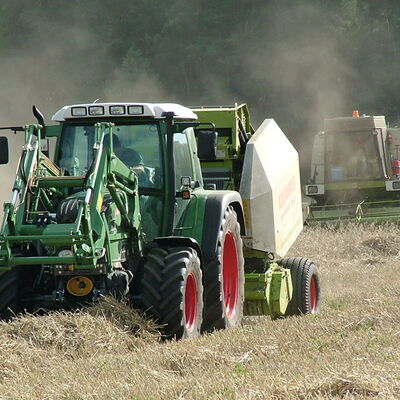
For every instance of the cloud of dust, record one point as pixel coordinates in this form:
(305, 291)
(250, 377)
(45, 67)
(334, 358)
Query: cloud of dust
(134, 81)
(291, 65)
(59, 65)
(286, 59)
(48, 73)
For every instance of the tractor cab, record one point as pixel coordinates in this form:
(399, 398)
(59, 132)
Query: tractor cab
(138, 139)
(354, 149)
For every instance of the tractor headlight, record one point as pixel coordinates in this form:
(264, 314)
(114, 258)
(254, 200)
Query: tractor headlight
(78, 111)
(117, 110)
(96, 110)
(312, 189)
(186, 180)
(396, 185)
(135, 110)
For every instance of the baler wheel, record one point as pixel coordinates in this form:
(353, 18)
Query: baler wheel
(172, 291)
(9, 294)
(224, 278)
(306, 286)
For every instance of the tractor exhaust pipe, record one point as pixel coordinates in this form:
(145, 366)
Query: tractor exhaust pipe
(38, 115)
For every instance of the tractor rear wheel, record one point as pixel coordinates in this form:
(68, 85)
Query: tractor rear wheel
(172, 290)
(9, 294)
(224, 278)
(306, 286)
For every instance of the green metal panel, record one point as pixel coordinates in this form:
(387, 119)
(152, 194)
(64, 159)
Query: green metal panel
(228, 120)
(191, 223)
(225, 171)
(53, 130)
(268, 293)
(379, 211)
(333, 186)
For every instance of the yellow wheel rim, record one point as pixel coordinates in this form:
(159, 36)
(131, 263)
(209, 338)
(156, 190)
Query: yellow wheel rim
(80, 286)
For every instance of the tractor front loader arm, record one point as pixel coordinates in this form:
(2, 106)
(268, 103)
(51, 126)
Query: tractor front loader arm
(42, 193)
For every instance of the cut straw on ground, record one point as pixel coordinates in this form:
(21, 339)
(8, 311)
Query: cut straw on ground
(350, 351)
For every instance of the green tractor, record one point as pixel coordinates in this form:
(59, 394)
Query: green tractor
(355, 171)
(122, 209)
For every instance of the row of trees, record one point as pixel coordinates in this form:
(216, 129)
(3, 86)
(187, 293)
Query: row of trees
(295, 61)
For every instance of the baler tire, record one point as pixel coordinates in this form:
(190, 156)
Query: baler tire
(224, 278)
(9, 294)
(306, 297)
(172, 291)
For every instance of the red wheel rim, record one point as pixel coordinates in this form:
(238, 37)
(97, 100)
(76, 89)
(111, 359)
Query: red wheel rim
(230, 275)
(313, 294)
(191, 301)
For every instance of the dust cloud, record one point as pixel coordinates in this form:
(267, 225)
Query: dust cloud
(58, 65)
(47, 74)
(67, 69)
(293, 68)
(291, 61)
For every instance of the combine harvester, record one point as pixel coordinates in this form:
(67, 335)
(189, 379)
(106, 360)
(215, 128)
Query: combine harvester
(355, 171)
(123, 210)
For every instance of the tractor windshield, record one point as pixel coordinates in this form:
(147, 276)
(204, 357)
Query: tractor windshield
(136, 145)
(352, 157)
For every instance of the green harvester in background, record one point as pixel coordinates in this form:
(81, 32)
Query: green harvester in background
(355, 171)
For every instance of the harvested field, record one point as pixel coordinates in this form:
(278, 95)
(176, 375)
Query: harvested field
(351, 350)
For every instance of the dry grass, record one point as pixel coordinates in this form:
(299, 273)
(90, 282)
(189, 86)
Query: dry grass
(351, 350)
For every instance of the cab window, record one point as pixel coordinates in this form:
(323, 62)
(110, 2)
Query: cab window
(182, 158)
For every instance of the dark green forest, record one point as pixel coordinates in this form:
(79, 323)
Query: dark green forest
(298, 61)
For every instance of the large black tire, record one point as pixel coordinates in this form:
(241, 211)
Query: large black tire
(9, 294)
(224, 278)
(306, 286)
(172, 291)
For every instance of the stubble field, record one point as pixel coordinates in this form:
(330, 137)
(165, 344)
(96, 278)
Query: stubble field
(351, 350)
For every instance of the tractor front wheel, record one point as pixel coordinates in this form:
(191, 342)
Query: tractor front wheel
(224, 278)
(172, 290)
(306, 297)
(9, 294)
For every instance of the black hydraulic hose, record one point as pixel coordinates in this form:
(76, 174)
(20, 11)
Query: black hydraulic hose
(21, 168)
(171, 173)
(88, 173)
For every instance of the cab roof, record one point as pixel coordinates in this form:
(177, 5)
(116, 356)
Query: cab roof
(354, 123)
(122, 109)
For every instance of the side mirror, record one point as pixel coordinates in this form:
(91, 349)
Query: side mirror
(3, 150)
(207, 145)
